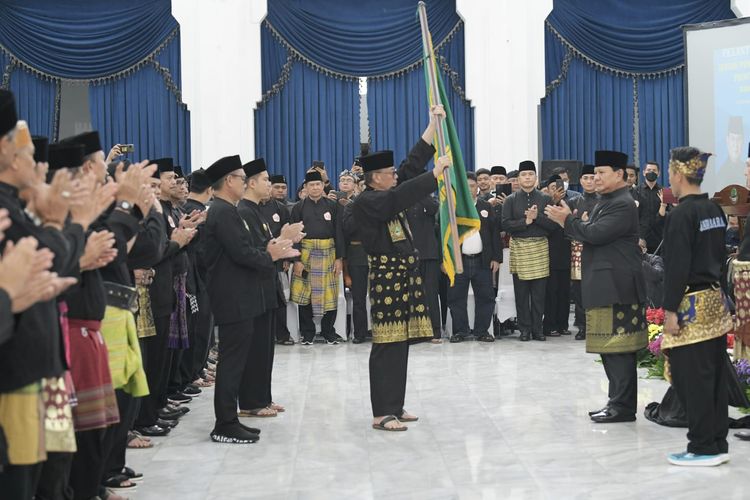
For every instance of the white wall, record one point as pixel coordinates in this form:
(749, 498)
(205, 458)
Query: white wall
(220, 74)
(505, 77)
(504, 74)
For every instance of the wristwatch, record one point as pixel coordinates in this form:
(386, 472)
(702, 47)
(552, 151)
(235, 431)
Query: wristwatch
(124, 205)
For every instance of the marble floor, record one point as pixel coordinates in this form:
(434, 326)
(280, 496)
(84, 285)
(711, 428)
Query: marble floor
(501, 420)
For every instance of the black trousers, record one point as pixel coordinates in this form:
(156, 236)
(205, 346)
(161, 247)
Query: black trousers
(157, 364)
(307, 325)
(623, 381)
(388, 365)
(700, 380)
(19, 482)
(203, 321)
(557, 301)
(430, 271)
(530, 304)
(359, 275)
(235, 341)
(53, 480)
(255, 389)
(480, 278)
(176, 382)
(89, 462)
(281, 331)
(118, 434)
(580, 313)
(443, 286)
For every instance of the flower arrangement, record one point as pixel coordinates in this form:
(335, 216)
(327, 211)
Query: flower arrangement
(651, 357)
(742, 367)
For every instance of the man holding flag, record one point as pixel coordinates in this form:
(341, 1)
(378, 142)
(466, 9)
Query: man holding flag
(398, 306)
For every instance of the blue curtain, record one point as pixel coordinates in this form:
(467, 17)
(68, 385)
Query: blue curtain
(35, 97)
(614, 76)
(145, 110)
(128, 51)
(310, 107)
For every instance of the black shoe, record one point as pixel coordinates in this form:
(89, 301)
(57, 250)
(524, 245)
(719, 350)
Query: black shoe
(565, 332)
(540, 337)
(250, 429)
(357, 340)
(234, 434)
(191, 391)
(610, 416)
(594, 412)
(486, 338)
(553, 333)
(456, 338)
(167, 424)
(525, 337)
(497, 329)
(177, 408)
(333, 340)
(179, 398)
(165, 414)
(581, 335)
(152, 431)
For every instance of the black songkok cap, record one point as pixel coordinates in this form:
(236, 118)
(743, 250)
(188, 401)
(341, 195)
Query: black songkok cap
(69, 155)
(8, 116)
(313, 176)
(178, 172)
(222, 167)
(587, 170)
(41, 147)
(199, 181)
(376, 161)
(614, 159)
(498, 171)
(527, 166)
(513, 174)
(553, 178)
(163, 165)
(254, 167)
(89, 140)
(278, 179)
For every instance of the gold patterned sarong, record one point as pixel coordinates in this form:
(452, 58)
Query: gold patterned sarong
(741, 281)
(529, 258)
(22, 420)
(619, 328)
(397, 301)
(702, 315)
(321, 285)
(576, 249)
(144, 319)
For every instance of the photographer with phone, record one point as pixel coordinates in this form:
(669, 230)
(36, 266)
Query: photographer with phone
(650, 213)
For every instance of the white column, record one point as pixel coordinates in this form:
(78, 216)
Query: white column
(221, 79)
(505, 77)
(741, 8)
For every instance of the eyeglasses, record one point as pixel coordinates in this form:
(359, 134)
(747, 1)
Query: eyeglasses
(391, 172)
(243, 177)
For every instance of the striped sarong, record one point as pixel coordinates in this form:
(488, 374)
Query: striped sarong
(320, 287)
(619, 328)
(125, 362)
(97, 404)
(529, 258)
(397, 301)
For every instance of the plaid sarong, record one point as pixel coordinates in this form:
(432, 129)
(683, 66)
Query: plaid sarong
(529, 258)
(320, 287)
(619, 328)
(397, 301)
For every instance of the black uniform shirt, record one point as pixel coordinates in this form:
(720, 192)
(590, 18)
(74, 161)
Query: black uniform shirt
(694, 250)
(651, 223)
(514, 218)
(321, 220)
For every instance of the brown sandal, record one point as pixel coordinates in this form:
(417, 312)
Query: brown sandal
(258, 412)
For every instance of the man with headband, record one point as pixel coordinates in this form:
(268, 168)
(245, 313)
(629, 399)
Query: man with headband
(697, 317)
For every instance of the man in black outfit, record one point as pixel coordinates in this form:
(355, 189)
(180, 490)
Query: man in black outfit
(481, 255)
(355, 275)
(649, 200)
(235, 265)
(614, 291)
(557, 294)
(696, 315)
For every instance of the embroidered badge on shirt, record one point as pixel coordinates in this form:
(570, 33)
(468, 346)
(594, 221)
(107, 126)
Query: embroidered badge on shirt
(327, 216)
(170, 220)
(484, 213)
(276, 218)
(396, 231)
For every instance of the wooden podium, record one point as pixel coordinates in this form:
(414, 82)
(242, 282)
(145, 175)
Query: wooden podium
(735, 200)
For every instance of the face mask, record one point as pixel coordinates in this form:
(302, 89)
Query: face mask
(651, 176)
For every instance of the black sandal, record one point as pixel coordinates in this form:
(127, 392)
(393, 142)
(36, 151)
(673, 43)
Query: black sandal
(390, 418)
(132, 475)
(116, 482)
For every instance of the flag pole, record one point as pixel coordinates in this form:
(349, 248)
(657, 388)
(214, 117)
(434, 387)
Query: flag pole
(431, 68)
